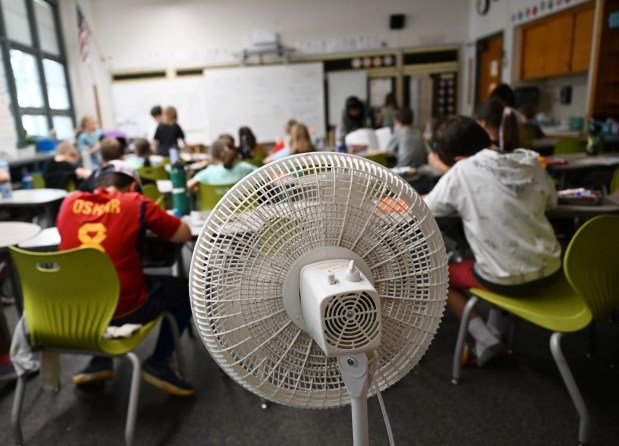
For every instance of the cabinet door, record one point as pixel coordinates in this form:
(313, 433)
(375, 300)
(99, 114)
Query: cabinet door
(583, 35)
(533, 49)
(558, 45)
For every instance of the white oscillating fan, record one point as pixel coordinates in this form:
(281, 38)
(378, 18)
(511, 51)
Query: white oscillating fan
(317, 276)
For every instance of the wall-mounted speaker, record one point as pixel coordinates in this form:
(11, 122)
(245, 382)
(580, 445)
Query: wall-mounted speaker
(565, 95)
(397, 21)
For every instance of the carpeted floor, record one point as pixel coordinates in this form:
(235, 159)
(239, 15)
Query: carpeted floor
(519, 400)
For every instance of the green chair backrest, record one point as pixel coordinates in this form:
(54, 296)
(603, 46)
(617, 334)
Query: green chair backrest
(380, 158)
(614, 183)
(210, 194)
(591, 263)
(568, 145)
(70, 186)
(255, 161)
(38, 182)
(151, 191)
(528, 137)
(69, 297)
(153, 173)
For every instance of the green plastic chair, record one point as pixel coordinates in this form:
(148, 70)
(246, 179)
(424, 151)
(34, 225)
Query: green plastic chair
(258, 162)
(528, 137)
(210, 194)
(588, 289)
(38, 182)
(380, 158)
(69, 300)
(568, 145)
(151, 191)
(614, 183)
(153, 173)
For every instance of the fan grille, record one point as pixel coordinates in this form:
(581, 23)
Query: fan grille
(351, 321)
(280, 213)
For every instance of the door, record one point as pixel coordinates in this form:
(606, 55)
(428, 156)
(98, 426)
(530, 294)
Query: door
(489, 65)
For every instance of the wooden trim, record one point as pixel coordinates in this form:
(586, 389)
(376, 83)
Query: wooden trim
(598, 26)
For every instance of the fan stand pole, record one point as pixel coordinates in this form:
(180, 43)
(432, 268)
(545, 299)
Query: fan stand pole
(355, 373)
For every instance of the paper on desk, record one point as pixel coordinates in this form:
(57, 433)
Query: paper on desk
(122, 332)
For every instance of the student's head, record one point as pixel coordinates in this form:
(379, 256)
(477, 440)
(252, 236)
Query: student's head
(460, 137)
(88, 124)
(501, 123)
(227, 138)
(111, 149)
(289, 125)
(300, 141)
(506, 94)
(157, 113)
(228, 156)
(119, 176)
(67, 151)
(354, 106)
(390, 100)
(247, 137)
(171, 116)
(403, 117)
(528, 110)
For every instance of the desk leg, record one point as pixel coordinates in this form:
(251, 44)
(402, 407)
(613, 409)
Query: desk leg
(15, 284)
(5, 333)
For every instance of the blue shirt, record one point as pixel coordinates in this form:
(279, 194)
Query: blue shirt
(218, 174)
(86, 141)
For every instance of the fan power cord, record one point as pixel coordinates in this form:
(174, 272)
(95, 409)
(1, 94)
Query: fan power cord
(383, 410)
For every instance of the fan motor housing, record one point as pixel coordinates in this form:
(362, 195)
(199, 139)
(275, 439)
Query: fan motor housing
(341, 311)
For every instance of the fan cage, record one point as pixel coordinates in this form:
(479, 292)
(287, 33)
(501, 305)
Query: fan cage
(283, 211)
(351, 321)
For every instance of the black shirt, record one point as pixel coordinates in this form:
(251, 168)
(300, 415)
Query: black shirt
(58, 173)
(167, 137)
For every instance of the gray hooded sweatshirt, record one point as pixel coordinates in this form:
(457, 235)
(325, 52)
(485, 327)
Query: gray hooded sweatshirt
(502, 199)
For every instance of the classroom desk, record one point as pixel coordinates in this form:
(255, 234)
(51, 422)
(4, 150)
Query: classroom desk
(164, 186)
(581, 162)
(35, 199)
(46, 240)
(11, 234)
(37, 159)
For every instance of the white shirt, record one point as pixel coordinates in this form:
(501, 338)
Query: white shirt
(502, 199)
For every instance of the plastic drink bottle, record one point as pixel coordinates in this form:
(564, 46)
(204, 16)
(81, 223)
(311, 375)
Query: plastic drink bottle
(180, 200)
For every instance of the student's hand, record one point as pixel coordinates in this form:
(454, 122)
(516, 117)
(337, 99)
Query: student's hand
(82, 173)
(4, 177)
(95, 148)
(435, 161)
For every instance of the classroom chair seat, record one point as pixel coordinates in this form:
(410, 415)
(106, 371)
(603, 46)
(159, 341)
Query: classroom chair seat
(588, 289)
(210, 194)
(614, 182)
(69, 300)
(568, 145)
(38, 182)
(380, 158)
(151, 191)
(153, 173)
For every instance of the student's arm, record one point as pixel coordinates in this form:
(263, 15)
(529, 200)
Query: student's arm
(4, 177)
(192, 185)
(435, 161)
(182, 234)
(443, 199)
(82, 173)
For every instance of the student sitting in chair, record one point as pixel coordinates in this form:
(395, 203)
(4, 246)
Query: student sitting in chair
(502, 197)
(249, 147)
(114, 219)
(407, 142)
(111, 150)
(143, 156)
(64, 167)
(300, 142)
(224, 167)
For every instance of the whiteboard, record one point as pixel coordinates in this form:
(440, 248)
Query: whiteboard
(132, 101)
(343, 84)
(264, 98)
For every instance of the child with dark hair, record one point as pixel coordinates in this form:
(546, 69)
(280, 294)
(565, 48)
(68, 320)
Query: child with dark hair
(502, 198)
(353, 117)
(407, 141)
(501, 123)
(63, 168)
(110, 150)
(143, 156)
(249, 147)
(506, 94)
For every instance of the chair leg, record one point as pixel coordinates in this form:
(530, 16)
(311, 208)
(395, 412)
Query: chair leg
(134, 395)
(464, 326)
(180, 359)
(16, 411)
(572, 387)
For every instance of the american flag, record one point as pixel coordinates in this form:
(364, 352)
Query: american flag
(83, 37)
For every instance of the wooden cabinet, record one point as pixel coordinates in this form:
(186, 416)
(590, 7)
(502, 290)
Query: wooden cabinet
(557, 45)
(583, 34)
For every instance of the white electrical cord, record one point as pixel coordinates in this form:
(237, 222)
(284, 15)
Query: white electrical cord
(384, 412)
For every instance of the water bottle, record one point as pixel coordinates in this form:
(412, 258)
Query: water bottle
(595, 140)
(180, 200)
(6, 189)
(26, 180)
(340, 144)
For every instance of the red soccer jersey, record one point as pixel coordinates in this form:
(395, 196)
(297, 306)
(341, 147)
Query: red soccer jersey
(116, 224)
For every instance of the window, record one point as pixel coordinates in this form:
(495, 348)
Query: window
(35, 67)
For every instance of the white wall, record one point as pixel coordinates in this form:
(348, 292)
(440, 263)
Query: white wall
(8, 134)
(163, 33)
